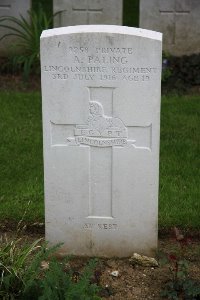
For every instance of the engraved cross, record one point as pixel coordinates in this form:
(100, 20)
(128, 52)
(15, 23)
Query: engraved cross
(173, 10)
(5, 4)
(90, 8)
(101, 134)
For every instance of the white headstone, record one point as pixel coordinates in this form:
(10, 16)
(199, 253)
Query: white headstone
(101, 115)
(82, 12)
(13, 8)
(178, 20)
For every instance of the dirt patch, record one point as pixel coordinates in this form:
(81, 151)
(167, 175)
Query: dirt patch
(131, 282)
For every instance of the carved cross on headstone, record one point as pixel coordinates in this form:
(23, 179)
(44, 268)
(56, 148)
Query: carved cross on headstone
(174, 10)
(101, 134)
(84, 11)
(5, 5)
(89, 8)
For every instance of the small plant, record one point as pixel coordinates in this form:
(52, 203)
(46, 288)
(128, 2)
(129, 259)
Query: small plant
(180, 73)
(32, 272)
(57, 283)
(28, 33)
(13, 260)
(180, 286)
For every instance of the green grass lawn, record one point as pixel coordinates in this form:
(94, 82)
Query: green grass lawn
(21, 173)
(180, 162)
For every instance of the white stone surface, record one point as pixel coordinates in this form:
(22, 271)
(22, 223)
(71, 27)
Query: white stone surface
(13, 8)
(83, 12)
(101, 120)
(178, 20)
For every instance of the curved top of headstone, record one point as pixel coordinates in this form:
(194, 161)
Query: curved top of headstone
(103, 29)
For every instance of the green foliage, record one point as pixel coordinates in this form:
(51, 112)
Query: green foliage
(58, 284)
(22, 275)
(13, 260)
(180, 284)
(187, 69)
(131, 13)
(191, 289)
(46, 4)
(187, 289)
(27, 48)
(181, 73)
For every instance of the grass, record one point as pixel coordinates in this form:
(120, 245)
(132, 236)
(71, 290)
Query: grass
(21, 173)
(180, 162)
